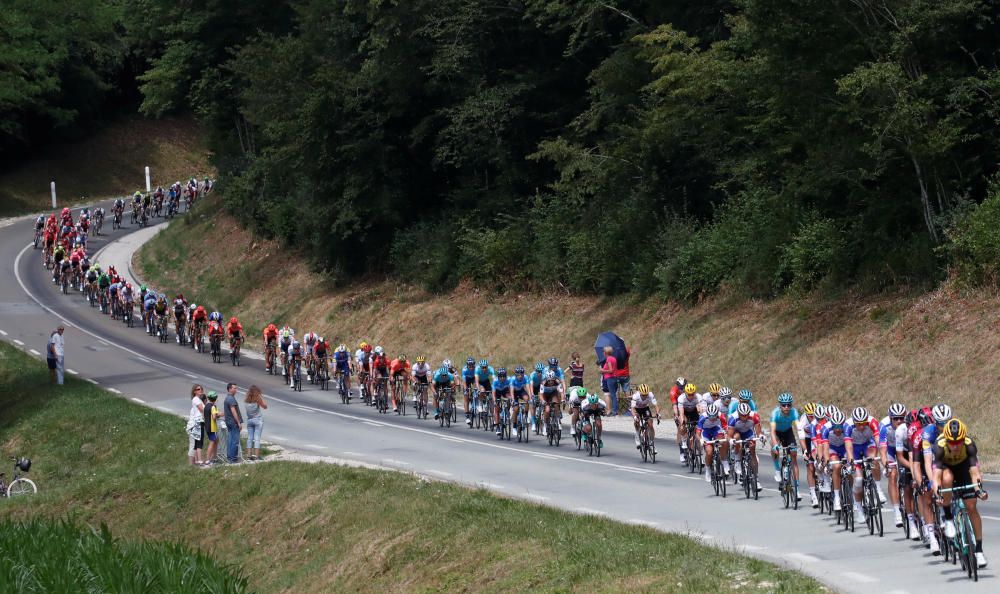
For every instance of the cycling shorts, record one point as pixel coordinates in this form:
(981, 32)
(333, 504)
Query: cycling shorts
(860, 451)
(905, 477)
(710, 434)
(961, 476)
(382, 371)
(745, 435)
(691, 415)
(441, 386)
(499, 394)
(484, 385)
(344, 368)
(786, 438)
(839, 451)
(520, 394)
(423, 380)
(809, 445)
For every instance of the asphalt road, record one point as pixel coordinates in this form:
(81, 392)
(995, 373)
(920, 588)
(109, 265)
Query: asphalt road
(617, 485)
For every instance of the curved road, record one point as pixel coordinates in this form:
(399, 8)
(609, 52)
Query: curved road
(618, 485)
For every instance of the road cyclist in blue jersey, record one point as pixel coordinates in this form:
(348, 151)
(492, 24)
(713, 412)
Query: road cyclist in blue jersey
(744, 396)
(862, 442)
(783, 434)
(443, 379)
(520, 387)
(469, 387)
(501, 390)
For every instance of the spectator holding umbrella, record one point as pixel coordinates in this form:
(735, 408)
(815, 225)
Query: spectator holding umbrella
(612, 358)
(609, 382)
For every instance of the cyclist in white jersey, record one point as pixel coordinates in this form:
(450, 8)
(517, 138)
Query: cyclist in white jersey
(644, 408)
(420, 373)
(690, 404)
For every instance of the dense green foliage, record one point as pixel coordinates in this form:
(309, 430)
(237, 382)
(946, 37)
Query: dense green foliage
(57, 556)
(62, 66)
(601, 145)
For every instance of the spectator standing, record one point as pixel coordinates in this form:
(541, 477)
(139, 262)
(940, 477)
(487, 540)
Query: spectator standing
(609, 372)
(234, 423)
(211, 428)
(625, 377)
(56, 355)
(196, 425)
(575, 370)
(255, 406)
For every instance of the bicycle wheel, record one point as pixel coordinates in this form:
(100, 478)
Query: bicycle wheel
(643, 445)
(968, 542)
(722, 477)
(21, 486)
(877, 514)
(784, 486)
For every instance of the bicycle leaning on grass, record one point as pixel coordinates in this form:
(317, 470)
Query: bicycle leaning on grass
(20, 485)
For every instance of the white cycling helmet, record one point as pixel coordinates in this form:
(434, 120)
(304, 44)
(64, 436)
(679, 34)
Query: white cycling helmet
(860, 415)
(446, 363)
(550, 374)
(743, 409)
(941, 413)
(193, 307)
(713, 410)
(897, 409)
(379, 350)
(837, 417)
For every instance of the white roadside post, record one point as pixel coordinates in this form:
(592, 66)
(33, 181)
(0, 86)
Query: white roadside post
(148, 187)
(52, 186)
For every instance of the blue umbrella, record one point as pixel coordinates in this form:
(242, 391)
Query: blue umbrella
(610, 338)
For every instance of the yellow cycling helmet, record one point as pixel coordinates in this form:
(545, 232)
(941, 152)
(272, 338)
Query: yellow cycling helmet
(643, 389)
(714, 388)
(809, 409)
(362, 345)
(955, 430)
(690, 389)
(421, 359)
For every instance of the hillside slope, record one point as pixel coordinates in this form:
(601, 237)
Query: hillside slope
(108, 164)
(918, 349)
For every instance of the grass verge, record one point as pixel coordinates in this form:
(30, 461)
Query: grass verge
(110, 163)
(300, 527)
(918, 349)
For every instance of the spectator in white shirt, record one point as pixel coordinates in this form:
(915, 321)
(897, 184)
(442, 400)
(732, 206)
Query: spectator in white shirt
(56, 354)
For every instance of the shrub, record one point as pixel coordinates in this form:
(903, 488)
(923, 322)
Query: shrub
(811, 255)
(974, 245)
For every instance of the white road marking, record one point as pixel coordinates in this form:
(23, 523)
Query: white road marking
(365, 422)
(2, 332)
(191, 376)
(303, 409)
(440, 473)
(103, 342)
(589, 511)
(315, 447)
(144, 360)
(800, 557)
(641, 522)
(994, 518)
(18, 342)
(164, 409)
(533, 497)
(34, 352)
(139, 400)
(72, 372)
(114, 390)
(485, 485)
(635, 470)
(545, 456)
(391, 461)
(452, 439)
(860, 577)
(750, 547)
(690, 478)
(93, 381)
(345, 453)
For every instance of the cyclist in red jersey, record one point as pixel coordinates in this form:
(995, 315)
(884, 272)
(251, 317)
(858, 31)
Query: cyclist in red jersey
(675, 392)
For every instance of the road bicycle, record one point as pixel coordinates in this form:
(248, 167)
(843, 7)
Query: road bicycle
(180, 327)
(345, 395)
(420, 399)
(646, 448)
(871, 505)
(215, 345)
(591, 439)
(19, 485)
(399, 389)
(323, 373)
(163, 332)
(786, 486)
(446, 406)
(522, 421)
(382, 394)
(504, 417)
(269, 353)
(717, 471)
(235, 344)
(553, 430)
(536, 415)
(695, 462)
(484, 416)
(963, 545)
(824, 488)
(846, 512)
(363, 390)
(748, 467)
(296, 374)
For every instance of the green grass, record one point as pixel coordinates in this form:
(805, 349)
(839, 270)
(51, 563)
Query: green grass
(301, 527)
(110, 163)
(57, 556)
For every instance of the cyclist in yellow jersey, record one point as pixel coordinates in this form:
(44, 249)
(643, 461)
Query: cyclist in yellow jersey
(956, 463)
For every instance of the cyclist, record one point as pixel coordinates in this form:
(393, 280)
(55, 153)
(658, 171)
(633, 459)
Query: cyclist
(342, 359)
(554, 368)
(128, 298)
(710, 425)
(320, 352)
(270, 335)
(215, 316)
(198, 317)
(887, 452)
(148, 307)
(284, 342)
(550, 393)
(58, 255)
(469, 383)
(745, 423)
(746, 396)
(783, 419)
(443, 378)
(956, 463)
(521, 388)
(380, 364)
(363, 366)
(940, 414)
(921, 479)
(644, 408)
(294, 359)
(688, 403)
(536, 377)
(501, 390)
(806, 427)
(309, 341)
(592, 409)
(234, 329)
(725, 399)
(862, 442)
(485, 376)
(216, 332)
(420, 374)
(832, 449)
(400, 370)
(904, 463)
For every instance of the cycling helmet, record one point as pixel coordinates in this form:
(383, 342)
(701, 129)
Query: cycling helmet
(643, 389)
(955, 430)
(320, 340)
(785, 398)
(470, 362)
(713, 410)
(860, 415)
(746, 395)
(142, 288)
(550, 375)
(502, 372)
(809, 409)
(580, 392)
(484, 363)
(925, 416)
(343, 349)
(379, 350)
(519, 370)
(743, 409)
(941, 413)
(714, 388)
(295, 344)
(539, 367)
(24, 464)
(447, 363)
(911, 417)
(421, 359)
(362, 345)
(681, 382)
(690, 389)
(726, 392)
(402, 357)
(194, 307)
(128, 286)
(553, 361)
(897, 410)
(837, 418)
(233, 320)
(820, 411)
(592, 399)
